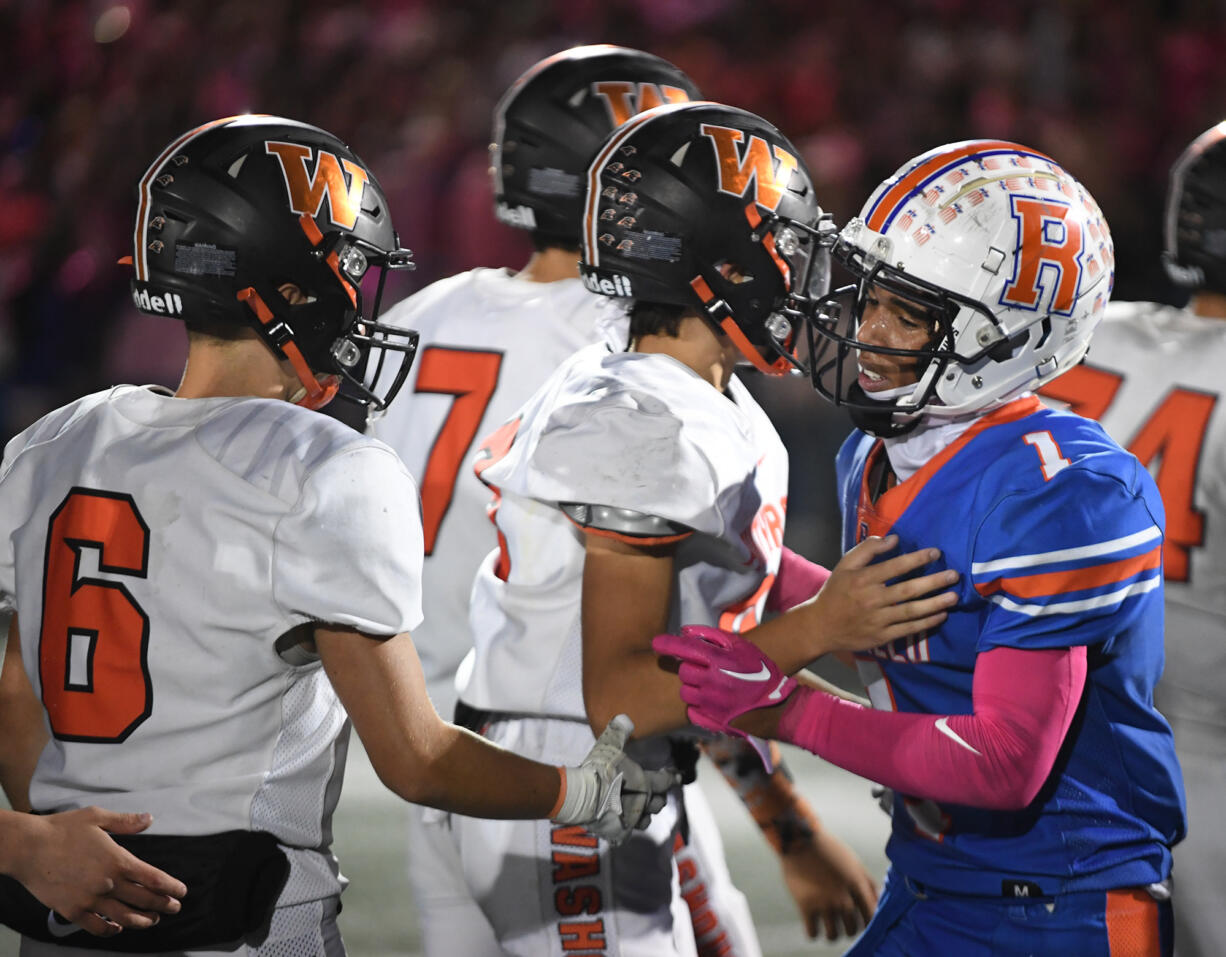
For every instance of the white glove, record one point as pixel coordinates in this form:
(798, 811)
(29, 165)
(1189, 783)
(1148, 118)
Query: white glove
(609, 793)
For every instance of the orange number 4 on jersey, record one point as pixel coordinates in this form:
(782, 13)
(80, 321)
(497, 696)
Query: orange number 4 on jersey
(1169, 443)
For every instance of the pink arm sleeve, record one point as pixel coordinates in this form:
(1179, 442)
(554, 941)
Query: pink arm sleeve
(797, 580)
(998, 757)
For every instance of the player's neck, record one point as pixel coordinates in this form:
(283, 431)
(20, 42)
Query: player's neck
(698, 346)
(246, 367)
(551, 264)
(1211, 305)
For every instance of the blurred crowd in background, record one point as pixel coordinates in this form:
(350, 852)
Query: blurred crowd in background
(95, 88)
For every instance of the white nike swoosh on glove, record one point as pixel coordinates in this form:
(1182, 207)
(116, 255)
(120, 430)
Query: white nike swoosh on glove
(762, 675)
(945, 729)
(774, 695)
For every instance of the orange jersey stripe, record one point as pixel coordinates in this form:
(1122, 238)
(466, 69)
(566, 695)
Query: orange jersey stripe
(1075, 579)
(1132, 924)
(638, 540)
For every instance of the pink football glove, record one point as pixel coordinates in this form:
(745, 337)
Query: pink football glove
(797, 580)
(722, 676)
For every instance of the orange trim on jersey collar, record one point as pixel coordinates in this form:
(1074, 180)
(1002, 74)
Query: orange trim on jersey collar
(893, 502)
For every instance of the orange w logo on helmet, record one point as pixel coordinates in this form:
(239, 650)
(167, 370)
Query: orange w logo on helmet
(625, 99)
(738, 171)
(307, 190)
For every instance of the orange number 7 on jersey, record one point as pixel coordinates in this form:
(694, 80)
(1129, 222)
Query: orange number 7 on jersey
(94, 640)
(471, 376)
(1174, 433)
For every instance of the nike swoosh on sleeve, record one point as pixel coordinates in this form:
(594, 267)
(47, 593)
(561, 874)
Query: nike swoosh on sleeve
(762, 675)
(945, 729)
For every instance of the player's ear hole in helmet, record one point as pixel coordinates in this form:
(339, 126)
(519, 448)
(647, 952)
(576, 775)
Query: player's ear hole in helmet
(232, 211)
(710, 208)
(1006, 253)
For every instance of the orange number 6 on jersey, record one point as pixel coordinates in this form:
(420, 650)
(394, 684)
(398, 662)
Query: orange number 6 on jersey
(94, 639)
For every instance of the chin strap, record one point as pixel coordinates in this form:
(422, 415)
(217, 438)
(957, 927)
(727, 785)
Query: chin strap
(314, 394)
(880, 424)
(718, 313)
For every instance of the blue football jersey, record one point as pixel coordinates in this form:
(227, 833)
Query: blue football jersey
(1057, 533)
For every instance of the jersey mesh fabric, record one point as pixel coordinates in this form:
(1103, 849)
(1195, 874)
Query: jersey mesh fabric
(311, 713)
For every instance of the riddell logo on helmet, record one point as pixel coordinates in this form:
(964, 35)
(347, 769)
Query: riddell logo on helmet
(166, 304)
(521, 216)
(754, 167)
(624, 99)
(610, 285)
(307, 190)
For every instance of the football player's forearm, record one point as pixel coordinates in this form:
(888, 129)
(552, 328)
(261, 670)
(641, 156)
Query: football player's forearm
(416, 754)
(466, 774)
(777, 807)
(634, 684)
(997, 757)
(15, 838)
(792, 640)
(22, 733)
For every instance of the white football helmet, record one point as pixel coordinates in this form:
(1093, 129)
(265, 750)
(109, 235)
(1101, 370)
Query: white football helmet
(1007, 251)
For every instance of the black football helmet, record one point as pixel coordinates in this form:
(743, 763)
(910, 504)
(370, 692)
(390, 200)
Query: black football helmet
(1195, 255)
(548, 125)
(710, 207)
(233, 209)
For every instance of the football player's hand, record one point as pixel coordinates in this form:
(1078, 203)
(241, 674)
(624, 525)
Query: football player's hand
(74, 868)
(609, 793)
(724, 676)
(830, 885)
(856, 610)
(797, 580)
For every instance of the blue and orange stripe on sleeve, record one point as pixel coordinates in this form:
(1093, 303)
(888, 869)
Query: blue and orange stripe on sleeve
(1071, 580)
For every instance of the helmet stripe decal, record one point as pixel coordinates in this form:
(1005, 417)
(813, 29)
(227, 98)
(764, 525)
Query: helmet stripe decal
(591, 214)
(142, 207)
(893, 199)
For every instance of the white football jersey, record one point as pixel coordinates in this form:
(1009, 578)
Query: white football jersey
(1154, 378)
(155, 550)
(488, 341)
(632, 431)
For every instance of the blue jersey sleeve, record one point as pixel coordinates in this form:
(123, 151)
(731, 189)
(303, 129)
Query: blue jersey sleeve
(1075, 560)
(849, 467)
